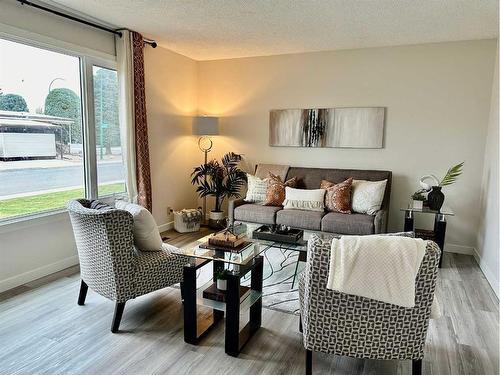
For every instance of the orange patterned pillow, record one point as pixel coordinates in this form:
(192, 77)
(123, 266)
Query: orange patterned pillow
(338, 196)
(276, 190)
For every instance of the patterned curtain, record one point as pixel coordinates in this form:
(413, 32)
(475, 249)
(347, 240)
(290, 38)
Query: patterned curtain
(143, 171)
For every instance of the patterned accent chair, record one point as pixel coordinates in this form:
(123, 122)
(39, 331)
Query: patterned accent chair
(354, 326)
(111, 265)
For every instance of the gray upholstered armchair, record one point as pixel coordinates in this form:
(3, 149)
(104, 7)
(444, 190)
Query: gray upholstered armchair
(348, 325)
(111, 265)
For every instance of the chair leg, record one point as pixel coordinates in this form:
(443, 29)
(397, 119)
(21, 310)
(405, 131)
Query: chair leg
(416, 367)
(309, 362)
(83, 293)
(117, 317)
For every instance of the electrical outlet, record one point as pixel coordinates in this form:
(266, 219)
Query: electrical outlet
(169, 210)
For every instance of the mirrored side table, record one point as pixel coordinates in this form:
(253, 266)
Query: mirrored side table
(437, 234)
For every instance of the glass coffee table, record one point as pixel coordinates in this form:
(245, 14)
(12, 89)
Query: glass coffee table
(238, 264)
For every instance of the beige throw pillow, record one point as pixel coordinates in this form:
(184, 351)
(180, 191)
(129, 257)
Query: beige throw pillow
(302, 199)
(256, 189)
(146, 234)
(367, 196)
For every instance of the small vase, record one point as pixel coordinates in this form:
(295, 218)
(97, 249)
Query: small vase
(221, 284)
(435, 198)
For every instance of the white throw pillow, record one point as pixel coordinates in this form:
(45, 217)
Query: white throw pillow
(301, 199)
(367, 196)
(146, 234)
(256, 189)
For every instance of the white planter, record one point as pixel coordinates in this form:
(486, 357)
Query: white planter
(418, 205)
(221, 284)
(217, 220)
(216, 215)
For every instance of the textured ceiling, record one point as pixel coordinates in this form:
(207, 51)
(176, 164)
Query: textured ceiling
(216, 29)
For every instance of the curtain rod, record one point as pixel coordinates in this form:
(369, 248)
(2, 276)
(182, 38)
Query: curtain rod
(152, 43)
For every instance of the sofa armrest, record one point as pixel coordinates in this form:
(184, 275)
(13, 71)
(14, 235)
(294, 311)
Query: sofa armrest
(380, 221)
(232, 204)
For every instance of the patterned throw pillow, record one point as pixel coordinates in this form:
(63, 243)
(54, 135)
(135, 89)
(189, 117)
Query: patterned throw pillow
(338, 196)
(256, 189)
(367, 196)
(276, 190)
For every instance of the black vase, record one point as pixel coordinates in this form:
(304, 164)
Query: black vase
(435, 198)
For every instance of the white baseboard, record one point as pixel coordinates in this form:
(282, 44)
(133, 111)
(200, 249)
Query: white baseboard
(492, 280)
(37, 273)
(166, 226)
(458, 249)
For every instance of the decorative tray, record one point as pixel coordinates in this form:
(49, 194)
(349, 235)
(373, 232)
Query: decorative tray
(278, 234)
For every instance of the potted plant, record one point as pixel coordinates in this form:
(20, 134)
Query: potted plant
(221, 180)
(221, 279)
(418, 200)
(435, 198)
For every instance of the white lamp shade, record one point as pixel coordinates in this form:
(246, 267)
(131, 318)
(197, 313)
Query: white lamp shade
(206, 125)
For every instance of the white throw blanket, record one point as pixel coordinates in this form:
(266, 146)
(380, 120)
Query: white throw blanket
(383, 268)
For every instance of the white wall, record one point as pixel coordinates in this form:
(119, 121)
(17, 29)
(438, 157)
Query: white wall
(488, 232)
(171, 83)
(437, 98)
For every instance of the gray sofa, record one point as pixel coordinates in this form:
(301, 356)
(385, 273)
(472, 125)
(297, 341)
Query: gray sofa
(331, 222)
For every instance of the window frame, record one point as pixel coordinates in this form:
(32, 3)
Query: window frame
(94, 189)
(87, 59)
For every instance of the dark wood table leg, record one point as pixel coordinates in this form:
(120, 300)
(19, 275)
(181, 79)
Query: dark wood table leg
(192, 333)
(409, 222)
(190, 312)
(301, 258)
(232, 339)
(440, 233)
(256, 284)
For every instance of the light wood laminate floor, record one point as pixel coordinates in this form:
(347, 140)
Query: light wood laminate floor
(44, 331)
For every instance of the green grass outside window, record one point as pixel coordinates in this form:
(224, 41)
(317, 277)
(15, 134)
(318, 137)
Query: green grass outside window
(49, 201)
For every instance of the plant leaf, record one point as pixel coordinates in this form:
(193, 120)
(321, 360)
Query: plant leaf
(452, 175)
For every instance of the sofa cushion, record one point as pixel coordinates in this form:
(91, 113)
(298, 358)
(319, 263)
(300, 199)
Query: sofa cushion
(300, 219)
(355, 224)
(256, 213)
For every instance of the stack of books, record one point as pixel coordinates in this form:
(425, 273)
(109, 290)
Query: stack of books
(227, 238)
(218, 295)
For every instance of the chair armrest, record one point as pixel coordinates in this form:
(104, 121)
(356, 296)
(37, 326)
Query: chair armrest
(232, 204)
(380, 221)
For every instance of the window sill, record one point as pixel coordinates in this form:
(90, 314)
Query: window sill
(22, 222)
